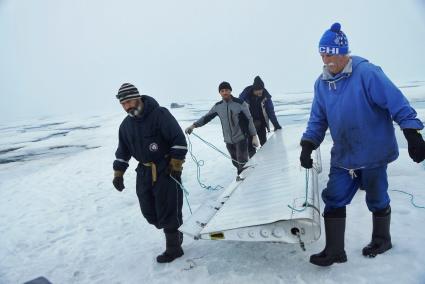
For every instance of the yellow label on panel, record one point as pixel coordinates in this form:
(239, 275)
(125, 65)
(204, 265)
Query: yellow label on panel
(217, 236)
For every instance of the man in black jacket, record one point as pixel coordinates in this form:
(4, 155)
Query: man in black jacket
(262, 110)
(152, 136)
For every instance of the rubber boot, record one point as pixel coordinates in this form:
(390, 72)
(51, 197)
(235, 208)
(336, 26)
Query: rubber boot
(335, 232)
(180, 237)
(381, 238)
(173, 247)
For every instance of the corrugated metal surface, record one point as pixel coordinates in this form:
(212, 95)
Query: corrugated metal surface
(273, 181)
(263, 197)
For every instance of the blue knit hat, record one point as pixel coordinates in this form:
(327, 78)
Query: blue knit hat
(334, 41)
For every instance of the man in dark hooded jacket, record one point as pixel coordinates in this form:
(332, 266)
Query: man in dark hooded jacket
(262, 110)
(152, 136)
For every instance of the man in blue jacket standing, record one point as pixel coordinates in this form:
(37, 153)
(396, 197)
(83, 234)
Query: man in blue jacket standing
(262, 110)
(152, 136)
(358, 103)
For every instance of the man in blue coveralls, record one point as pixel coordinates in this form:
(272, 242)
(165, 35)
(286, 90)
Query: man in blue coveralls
(358, 103)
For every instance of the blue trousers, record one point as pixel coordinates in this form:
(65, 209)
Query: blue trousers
(342, 187)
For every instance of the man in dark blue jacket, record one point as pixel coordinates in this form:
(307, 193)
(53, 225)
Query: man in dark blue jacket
(358, 103)
(152, 136)
(262, 110)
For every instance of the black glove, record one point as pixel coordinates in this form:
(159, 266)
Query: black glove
(305, 158)
(416, 144)
(118, 183)
(278, 127)
(118, 180)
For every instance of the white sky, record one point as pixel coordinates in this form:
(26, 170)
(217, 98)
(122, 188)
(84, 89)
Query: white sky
(71, 56)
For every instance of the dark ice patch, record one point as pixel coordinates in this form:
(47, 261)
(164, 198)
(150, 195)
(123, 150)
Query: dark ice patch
(9, 150)
(49, 152)
(63, 133)
(85, 147)
(19, 158)
(39, 280)
(41, 126)
(80, 128)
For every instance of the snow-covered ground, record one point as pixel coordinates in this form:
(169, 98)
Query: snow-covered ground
(60, 216)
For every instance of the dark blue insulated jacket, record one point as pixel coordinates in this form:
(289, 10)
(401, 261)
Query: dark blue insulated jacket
(266, 104)
(155, 137)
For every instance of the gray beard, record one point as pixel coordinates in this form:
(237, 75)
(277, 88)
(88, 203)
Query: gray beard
(135, 112)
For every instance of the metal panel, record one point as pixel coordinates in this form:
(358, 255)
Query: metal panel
(256, 208)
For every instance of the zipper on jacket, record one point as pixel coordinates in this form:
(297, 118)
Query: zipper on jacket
(265, 114)
(228, 120)
(231, 116)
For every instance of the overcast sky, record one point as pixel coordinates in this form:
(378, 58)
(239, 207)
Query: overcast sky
(71, 56)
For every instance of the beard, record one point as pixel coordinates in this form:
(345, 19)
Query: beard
(135, 111)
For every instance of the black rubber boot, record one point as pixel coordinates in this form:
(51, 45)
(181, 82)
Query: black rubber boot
(180, 237)
(173, 247)
(335, 232)
(381, 238)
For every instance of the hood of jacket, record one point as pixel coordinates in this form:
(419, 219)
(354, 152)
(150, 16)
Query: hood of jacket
(149, 105)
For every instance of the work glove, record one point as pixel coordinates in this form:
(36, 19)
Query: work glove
(190, 129)
(118, 180)
(416, 144)
(278, 127)
(255, 141)
(305, 158)
(175, 168)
